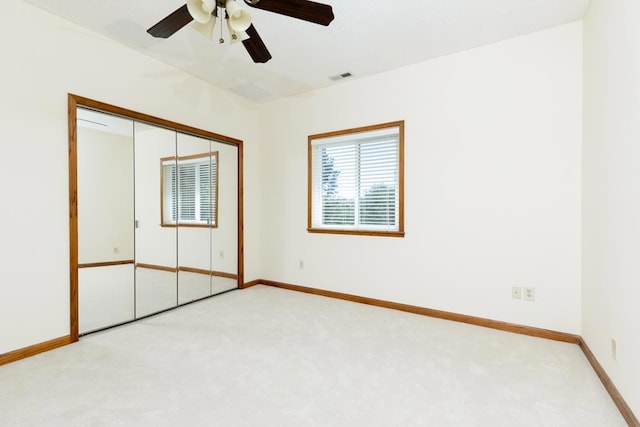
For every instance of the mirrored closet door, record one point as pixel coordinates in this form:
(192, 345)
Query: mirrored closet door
(224, 244)
(156, 254)
(205, 215)
(156, 218)
(105, 181)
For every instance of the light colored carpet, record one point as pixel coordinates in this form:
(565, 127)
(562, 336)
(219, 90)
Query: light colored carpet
(270, 357)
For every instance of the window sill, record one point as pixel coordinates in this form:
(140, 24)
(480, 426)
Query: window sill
(356, 232)
(190, 225)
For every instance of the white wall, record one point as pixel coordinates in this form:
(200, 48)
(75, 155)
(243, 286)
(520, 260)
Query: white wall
(611, 190)
(44, 58)
(492, 140)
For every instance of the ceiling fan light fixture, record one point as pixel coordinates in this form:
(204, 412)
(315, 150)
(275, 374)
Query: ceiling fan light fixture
(236, 36)
(239, 19)
(206, 29)
(201, 10)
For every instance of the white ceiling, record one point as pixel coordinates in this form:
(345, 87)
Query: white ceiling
(366, 37)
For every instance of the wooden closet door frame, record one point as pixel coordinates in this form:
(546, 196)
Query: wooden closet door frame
(75, 101)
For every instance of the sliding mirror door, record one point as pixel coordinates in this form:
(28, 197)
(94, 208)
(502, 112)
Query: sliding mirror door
(224, 241)
(195, 216)
(206, 217)
(155, 214)
(105, 220)
(156, 241)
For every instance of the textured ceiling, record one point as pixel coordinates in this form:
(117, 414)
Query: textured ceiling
(366, 37)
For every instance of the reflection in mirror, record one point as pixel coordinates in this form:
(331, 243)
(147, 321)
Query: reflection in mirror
(105, 232)
(190, 188)
(206, 217)
(155, 215)
(156, 246)
(197, 176)
(224, 240)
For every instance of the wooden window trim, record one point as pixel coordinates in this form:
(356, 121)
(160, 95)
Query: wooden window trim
(189, 157)
(361, 232)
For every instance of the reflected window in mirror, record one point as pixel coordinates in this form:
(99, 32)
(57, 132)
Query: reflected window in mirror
(189, 190)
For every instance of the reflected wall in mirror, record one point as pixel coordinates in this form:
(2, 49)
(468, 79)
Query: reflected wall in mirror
(195, 215)
(206, 216)
(155, 215)
(105, 218)
(224, 248)
(156, 246)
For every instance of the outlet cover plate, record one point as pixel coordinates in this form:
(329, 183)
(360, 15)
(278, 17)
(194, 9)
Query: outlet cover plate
(529, 294)
(516, 292)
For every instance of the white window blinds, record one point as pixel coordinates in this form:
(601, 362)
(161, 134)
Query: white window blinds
(355, 181)
(190, 190)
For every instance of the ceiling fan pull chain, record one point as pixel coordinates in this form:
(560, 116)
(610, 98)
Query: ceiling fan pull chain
(221, 40)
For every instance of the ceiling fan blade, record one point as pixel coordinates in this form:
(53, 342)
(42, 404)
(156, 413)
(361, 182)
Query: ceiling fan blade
(255, 46)
(310, 11)
(172, 23)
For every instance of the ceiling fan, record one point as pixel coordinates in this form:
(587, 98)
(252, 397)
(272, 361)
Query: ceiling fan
(205, 13)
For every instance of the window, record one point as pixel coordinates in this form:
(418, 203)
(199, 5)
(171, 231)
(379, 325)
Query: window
(356, 181)
(190, 190)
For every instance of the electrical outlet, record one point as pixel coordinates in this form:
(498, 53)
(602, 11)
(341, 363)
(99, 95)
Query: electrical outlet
(301, 264)
(116, 250)
(614, 350)
(221, 254)
(529, 294)
(516, 292)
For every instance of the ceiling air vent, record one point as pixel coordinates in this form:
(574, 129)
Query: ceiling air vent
(340, 76)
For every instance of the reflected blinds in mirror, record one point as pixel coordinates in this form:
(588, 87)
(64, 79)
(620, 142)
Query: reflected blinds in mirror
(189, 190)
